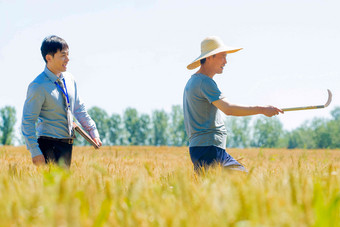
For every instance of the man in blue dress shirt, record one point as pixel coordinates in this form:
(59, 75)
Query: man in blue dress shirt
(202, 104)
(51, 102)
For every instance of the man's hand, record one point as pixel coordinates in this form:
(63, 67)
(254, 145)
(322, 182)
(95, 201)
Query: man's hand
(38, 160)
(270, 111)
(97, 141)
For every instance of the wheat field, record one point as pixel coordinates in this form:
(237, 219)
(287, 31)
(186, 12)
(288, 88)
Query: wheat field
(156, 186)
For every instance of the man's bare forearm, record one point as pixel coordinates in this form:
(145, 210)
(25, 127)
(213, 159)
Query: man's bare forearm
(237, 110)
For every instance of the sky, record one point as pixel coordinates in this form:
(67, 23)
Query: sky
(126, 53)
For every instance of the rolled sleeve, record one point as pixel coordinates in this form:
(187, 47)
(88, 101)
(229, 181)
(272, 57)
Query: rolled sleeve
(80, 113)
(35, 151)
(94, 133)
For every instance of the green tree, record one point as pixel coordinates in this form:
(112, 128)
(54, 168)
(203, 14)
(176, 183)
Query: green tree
(334, 128)
(100, 117)
(318, 133)
(294, 139)
(178, 136)
(267, 132)
(239, 131)
(300, 137)
(310, 135)
(143, 135)
(131, 123)
(160, 126)
(336, 113)
(321, 135)
(115, 133)
(7, 122)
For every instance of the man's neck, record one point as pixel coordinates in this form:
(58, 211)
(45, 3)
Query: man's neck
(57, 73)
(206, 71)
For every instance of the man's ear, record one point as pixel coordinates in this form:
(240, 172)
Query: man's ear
(209, 58)
(48, 57)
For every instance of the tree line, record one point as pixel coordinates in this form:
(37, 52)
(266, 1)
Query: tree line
(133, 128)
(162, 128)
(269, 133)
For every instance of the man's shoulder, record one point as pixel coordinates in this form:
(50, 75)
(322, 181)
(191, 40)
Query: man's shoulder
(38, 85)
(40, 80)
(204, 81)
(193, 82)
(198, 77)
(200, 81)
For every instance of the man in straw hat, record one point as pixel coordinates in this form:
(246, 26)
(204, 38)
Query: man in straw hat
(201, 101)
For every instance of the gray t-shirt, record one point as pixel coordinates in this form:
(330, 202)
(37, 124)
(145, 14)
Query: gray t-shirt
(203, 121)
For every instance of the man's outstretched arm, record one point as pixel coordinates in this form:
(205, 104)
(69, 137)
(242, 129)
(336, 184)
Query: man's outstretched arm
(236, 110)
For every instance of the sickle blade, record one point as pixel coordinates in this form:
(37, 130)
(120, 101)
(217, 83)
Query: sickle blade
(329, 98)
(312, 107)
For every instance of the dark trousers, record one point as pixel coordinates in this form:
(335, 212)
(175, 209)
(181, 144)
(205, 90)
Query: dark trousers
(56, 151)
(212, 155)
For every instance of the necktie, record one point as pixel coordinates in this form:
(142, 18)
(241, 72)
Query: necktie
(67, 108)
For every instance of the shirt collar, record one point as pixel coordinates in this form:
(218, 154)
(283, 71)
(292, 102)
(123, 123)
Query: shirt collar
(51, 75)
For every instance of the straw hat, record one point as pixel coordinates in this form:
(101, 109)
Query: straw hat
(210, 46)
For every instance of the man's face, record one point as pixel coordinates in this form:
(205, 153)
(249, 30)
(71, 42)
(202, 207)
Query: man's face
(58, 63)
(218, 62)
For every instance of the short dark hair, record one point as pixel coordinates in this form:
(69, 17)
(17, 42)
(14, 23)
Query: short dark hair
(51, 45)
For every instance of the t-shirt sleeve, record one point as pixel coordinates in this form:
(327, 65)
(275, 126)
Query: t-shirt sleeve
(210, 91)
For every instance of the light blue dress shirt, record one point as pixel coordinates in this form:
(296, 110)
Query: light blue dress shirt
(45, 103)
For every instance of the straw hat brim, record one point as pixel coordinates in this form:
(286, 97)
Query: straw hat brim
(196, 63)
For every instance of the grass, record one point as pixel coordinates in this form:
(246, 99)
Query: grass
(156, 186)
